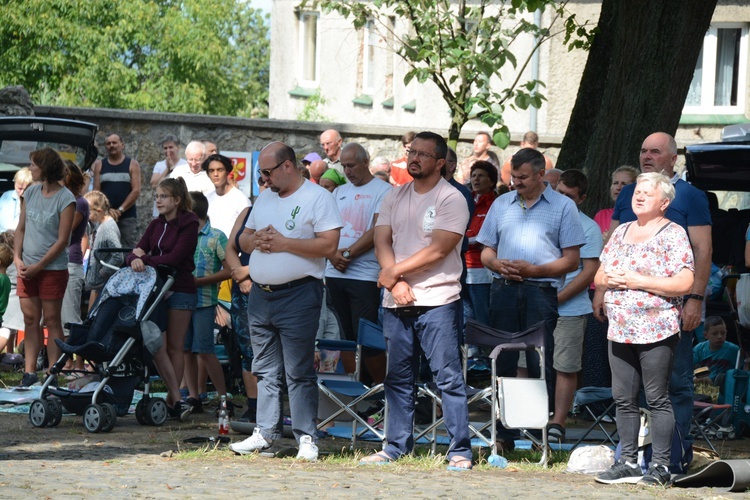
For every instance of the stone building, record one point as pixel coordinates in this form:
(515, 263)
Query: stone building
(318, 55)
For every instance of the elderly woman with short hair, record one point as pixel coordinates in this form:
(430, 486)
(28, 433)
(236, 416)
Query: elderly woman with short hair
(646, 269)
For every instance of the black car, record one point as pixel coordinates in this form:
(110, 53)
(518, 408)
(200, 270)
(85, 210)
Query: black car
(20, 135)
(722, 170)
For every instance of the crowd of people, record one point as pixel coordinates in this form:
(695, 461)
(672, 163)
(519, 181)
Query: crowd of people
(419, 243)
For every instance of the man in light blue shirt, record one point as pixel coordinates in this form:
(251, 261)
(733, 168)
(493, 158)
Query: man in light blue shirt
(532, 238)
(574, 306)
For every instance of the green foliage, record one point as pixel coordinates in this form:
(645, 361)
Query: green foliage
(311, 110)
(468, 49)
(189, 56)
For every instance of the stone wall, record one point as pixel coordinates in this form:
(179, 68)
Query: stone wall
(143, 131)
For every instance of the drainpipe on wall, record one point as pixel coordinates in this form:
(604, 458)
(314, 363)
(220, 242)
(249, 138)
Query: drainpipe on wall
(535, 71)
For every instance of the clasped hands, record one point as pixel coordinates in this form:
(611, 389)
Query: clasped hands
(269, 240)
(393, 282)
(514, 270)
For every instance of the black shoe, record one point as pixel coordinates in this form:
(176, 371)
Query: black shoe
(657, 475)
(28, 380)
(621, 472)
(250, 415)
(180, 411)
(196, 404)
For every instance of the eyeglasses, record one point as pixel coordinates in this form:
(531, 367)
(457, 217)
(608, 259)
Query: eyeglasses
(266, 172)
(163, 196)
(421, 154)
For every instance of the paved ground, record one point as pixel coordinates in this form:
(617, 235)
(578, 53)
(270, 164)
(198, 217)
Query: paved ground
(153, 462)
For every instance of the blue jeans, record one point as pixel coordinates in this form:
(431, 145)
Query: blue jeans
(282, 329)
(436, 331)
(239, 325)
(478, 304)
(514, 308)
(681, 384)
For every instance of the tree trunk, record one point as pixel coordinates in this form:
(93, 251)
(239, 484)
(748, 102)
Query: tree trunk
(636, 79)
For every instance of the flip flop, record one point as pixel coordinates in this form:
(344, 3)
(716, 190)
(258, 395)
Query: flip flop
(458, 464)
(556, 431)
(379, 458)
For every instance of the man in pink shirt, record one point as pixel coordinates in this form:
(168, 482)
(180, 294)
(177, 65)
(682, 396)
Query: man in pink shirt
(417, 243)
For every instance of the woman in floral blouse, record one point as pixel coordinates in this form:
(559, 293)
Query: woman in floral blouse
(646, 269)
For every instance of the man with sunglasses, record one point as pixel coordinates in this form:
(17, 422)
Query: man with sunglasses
(417, 243)
(293, 227)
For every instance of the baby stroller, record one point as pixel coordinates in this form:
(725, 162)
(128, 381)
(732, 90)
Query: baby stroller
(118, 338)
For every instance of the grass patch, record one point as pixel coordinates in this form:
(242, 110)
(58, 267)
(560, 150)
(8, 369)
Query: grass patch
(421, 460)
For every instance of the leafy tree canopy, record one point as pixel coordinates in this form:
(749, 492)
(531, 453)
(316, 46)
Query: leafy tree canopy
(189, 56)
(468, 49)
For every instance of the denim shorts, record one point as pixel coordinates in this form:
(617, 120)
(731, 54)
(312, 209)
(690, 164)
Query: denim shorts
(179, 301)
(199, 338)
(182, 301)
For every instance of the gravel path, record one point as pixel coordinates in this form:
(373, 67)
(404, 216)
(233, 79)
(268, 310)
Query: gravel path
(145, 462)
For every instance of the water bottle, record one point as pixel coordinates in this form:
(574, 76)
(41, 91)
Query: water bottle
(223, 417)
(497, 461)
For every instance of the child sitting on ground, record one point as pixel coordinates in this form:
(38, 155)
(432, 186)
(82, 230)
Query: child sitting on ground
(210, 270)
(715, 353)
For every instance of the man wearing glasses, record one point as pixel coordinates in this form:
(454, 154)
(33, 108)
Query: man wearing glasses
(532, 238)
(195, 178)
(331, 142)
(293, 227)
(417, 243)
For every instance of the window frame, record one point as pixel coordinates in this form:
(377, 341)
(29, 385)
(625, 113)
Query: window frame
(303, 28)
(708, 85)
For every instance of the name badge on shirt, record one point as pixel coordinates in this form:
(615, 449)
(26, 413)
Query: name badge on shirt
(429, 219)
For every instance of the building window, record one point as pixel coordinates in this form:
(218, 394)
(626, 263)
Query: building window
(371, 43)
(718, 84)
(308, 42)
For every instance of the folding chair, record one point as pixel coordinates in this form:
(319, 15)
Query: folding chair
(520, 403)
(586, 399)
(716, 420)
(370, 336)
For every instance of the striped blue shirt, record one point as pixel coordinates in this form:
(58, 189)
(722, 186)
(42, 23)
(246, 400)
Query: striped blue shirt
(536, 234)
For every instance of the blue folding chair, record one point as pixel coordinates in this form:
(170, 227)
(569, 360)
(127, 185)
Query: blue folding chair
(370, 336)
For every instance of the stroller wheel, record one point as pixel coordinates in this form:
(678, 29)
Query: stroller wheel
(156, 411)
(140, 411)
(93, 418)
(110, 417)
(39, 413)
(55, 411)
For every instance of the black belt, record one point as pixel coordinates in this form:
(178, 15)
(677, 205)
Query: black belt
(285, 286)
(412, 312)
(538, 284)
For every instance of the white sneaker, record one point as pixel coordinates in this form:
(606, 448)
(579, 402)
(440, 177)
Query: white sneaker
(307, 449)
(254, 443)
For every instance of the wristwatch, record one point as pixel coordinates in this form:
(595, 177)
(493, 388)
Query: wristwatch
(346, 254)
(695, 296)
(121, 209)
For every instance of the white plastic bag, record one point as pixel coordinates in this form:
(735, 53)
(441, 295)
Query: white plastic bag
(591, 459)
(743, 300)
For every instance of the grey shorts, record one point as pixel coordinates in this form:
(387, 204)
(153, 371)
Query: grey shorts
(129, 236)
(569, 334)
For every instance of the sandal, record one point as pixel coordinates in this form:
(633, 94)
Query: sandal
(379, 458)
(556, 431)
(460, 464)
